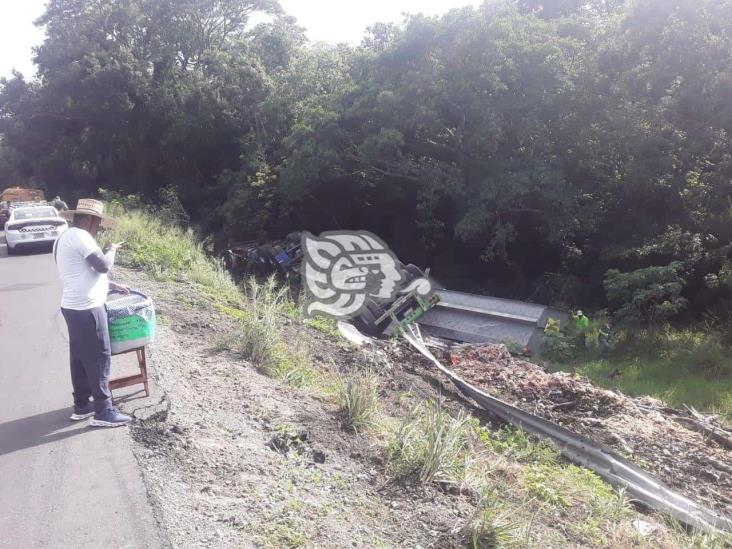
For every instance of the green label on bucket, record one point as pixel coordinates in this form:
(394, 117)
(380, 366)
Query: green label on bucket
(129, 328)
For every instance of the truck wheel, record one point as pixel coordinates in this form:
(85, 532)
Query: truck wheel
(366, 321)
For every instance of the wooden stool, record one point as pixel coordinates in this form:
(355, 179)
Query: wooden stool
(136, 378)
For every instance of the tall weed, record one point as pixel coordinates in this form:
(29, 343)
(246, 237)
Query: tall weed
(492, 527)
(259, 337)
(359, 400)
(430, 445)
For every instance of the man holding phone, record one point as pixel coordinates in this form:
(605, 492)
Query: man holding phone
(83, 269)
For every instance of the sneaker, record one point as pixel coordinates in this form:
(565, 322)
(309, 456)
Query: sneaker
(110, 418)
(82, 412)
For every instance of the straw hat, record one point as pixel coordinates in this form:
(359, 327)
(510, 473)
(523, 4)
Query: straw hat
(89, 206)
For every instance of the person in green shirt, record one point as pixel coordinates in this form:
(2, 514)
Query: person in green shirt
(581, 322)
(581, 325)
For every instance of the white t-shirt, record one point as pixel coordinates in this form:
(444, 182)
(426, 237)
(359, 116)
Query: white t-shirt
(83, 287)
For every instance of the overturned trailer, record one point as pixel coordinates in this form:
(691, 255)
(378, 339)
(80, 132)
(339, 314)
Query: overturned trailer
(281, 257)
(461, 317)
(444, 314)
(472, 318)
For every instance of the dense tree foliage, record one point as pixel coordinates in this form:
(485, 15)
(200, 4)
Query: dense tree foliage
(576, 152)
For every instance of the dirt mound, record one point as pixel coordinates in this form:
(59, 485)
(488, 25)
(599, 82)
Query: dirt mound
(686, 450)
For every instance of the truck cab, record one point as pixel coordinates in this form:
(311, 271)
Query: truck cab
(14, 195)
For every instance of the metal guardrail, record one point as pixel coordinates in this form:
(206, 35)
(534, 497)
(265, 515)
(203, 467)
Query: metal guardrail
(614, 469)
(475, 319)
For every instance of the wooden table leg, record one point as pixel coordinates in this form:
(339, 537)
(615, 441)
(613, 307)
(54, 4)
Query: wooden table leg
(142, 359)
(134, 379)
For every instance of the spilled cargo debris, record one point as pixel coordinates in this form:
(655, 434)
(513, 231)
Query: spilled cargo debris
(578, 448)
(666, 442)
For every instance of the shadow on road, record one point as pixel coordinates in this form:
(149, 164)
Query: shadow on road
(44, 428)
(23, 286)
(31, 250)
(128, 397)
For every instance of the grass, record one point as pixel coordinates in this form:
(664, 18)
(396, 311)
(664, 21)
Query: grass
(532, 497)
(516, 444)
(286, 532)
(492, 526)
(672, 383)
(689, 366)
(567, 485)
(325, 325)
(534, 485)
(359, 400)
(259, 337)
(168, 252)
(430, 445)
(698, 540)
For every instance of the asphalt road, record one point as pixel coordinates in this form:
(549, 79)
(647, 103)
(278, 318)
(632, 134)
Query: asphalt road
(62, 484)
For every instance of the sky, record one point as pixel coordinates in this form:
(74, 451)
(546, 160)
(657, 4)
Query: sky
(325, 20)
(18, 35)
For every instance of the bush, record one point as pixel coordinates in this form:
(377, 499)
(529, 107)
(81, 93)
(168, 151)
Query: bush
(558, 348)
(645, 297)
(116, 203)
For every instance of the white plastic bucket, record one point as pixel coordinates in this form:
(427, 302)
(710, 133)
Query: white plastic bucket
(131, 320)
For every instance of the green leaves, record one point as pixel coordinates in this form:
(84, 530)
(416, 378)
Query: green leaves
(504, 144)
(645, 296)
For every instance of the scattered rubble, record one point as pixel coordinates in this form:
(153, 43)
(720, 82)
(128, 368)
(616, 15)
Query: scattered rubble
(285, 441)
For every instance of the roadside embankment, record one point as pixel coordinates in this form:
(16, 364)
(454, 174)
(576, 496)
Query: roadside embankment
(277, 433)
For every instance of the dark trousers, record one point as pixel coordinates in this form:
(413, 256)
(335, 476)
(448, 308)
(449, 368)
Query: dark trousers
(90, 356)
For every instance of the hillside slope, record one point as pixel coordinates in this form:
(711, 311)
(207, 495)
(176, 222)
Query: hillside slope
(236, 458)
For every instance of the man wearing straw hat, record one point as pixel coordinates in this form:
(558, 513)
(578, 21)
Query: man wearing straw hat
(83, 269)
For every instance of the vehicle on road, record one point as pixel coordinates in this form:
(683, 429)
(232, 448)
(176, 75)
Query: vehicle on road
(33, 225)
(14, 195)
